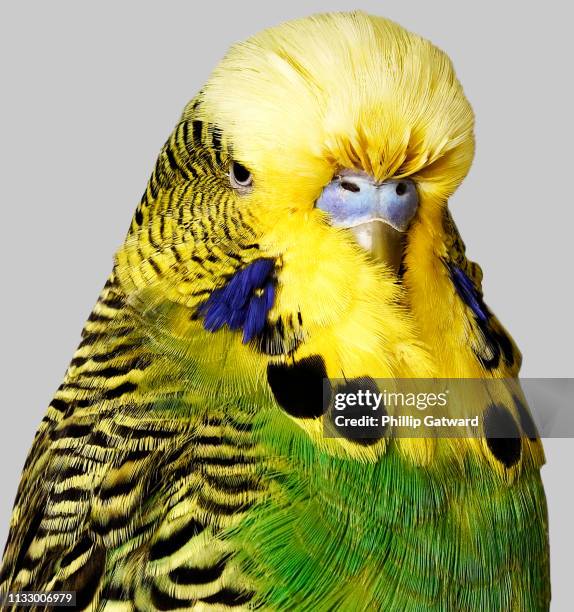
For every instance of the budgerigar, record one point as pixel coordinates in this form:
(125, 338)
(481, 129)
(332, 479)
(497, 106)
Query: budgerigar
(295, 229)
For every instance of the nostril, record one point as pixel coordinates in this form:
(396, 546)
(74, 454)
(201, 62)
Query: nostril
(350, 186)
(401, 189)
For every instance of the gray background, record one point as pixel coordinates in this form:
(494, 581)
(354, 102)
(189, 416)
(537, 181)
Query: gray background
(90, 91)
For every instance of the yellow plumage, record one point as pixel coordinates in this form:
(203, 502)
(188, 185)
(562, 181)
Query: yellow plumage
(310, 97)
(305, 99)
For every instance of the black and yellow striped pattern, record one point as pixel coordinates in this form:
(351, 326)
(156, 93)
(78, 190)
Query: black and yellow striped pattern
(188, 230)
(119, 501)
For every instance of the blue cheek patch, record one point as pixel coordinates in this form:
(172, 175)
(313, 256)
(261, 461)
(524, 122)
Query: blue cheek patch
(244, 302)
(469, 293)
(496, 344)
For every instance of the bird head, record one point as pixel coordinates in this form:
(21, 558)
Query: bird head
(345, 120)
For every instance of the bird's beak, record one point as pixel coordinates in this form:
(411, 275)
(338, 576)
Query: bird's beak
(378, 214)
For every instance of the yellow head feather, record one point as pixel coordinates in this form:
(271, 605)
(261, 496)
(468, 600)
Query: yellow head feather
(303, 99)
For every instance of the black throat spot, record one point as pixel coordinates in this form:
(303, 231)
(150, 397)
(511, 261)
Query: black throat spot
(298, 387)
(366, 435)
(502, 435)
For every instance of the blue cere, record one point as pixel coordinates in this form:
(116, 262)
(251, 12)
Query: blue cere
(469, 293)
(353, 198)
(244, 301)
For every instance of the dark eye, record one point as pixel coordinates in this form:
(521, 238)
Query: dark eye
(240, 177)
(401, 188)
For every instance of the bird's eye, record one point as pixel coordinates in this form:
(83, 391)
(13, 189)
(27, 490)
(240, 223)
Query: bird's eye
(240, 177)
(401, 188)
